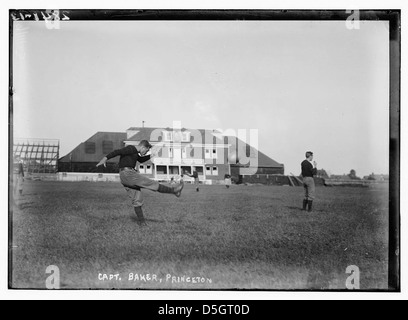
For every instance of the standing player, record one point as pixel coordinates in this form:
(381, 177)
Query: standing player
(133, 181)
(227, 179)
(18, 177)
(309, 169)
(196, 179)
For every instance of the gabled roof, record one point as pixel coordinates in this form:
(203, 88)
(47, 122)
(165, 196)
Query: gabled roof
(143, 134)
(79, 154)
(146, 134)
(263, 159)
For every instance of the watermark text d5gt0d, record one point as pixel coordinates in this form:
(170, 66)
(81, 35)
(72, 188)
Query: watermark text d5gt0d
(225, 309)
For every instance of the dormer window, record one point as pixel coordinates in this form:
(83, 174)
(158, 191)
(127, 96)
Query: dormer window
(185, 136)
(168, 136)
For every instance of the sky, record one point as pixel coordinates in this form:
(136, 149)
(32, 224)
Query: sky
(304, 85)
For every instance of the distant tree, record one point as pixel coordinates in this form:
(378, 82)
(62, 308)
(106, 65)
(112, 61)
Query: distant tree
(353, 175)
(371, 177)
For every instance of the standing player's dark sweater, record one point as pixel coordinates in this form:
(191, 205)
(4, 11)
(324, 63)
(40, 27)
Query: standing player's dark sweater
(128, 157)
(308, 170)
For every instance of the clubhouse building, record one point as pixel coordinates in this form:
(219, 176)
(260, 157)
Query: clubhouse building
(213, 154)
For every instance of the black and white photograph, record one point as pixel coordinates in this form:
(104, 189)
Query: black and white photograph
(204, 150)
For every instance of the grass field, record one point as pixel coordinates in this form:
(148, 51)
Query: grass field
(245, 237)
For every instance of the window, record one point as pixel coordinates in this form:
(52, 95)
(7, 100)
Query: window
(200, 170)
(185, 137)
(107, 146)
(209, 171)
(147, 169)
(186, 169)
(174, 170)
(168, 136)
(211, 153)
(161, 170)
(184, 153)
(90, 147)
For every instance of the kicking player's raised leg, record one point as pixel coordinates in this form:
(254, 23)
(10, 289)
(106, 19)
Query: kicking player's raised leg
(130, 178)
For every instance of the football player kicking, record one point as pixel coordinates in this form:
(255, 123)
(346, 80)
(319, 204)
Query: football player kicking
(133, 181)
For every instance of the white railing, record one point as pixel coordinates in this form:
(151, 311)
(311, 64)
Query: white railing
(178, 162)
(167, 177)
(162, 177)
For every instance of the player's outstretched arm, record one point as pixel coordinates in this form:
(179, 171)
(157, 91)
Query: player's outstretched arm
(143, 159)
(102, 162)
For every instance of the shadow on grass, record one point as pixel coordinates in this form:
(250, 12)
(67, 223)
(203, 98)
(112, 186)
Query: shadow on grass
(155, 220)
(306, 212)
(148, 220)
(295, 208)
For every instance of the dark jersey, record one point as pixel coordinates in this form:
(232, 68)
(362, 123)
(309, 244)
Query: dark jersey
(129, 156)
(308, 170)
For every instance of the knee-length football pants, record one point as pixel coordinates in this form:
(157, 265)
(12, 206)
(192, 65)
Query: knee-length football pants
(134, 182)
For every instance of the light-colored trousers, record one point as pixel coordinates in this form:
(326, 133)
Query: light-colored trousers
(134, 182)
(310, 188)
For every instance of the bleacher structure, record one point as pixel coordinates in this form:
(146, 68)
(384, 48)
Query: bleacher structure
(39, 156)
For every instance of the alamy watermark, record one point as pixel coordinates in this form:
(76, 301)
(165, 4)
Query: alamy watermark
(353, 281)
(230, 146)
(53, 280)
(353, 20)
